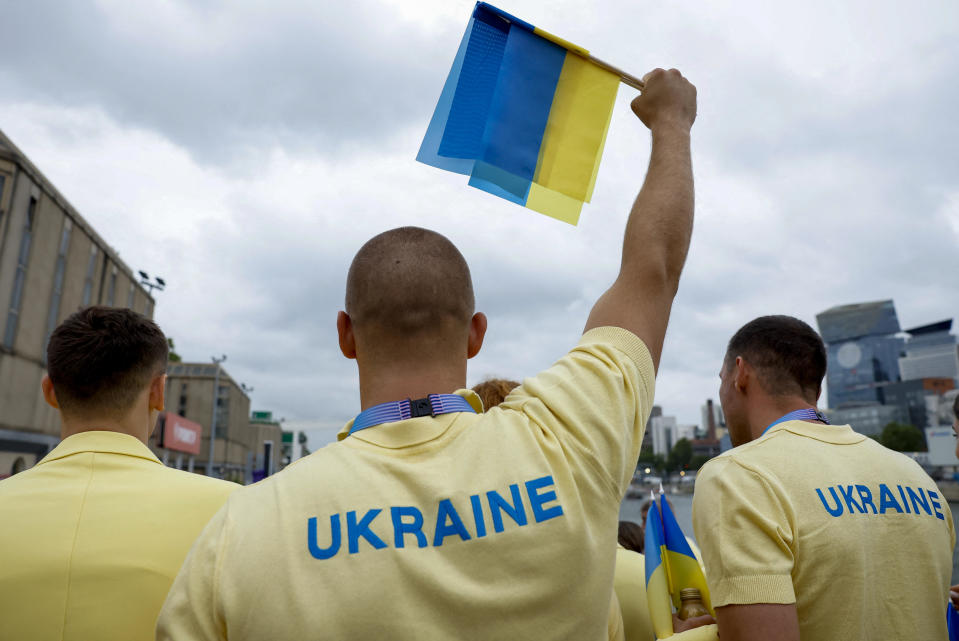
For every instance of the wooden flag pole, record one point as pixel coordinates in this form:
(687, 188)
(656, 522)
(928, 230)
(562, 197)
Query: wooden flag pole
(627, 79)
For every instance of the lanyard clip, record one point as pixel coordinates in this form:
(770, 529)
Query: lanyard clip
(421, 407)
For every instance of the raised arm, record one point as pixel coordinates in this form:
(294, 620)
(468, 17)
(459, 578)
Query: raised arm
(661, 220)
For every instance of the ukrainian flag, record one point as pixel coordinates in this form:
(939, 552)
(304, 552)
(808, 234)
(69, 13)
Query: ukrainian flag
(657, 574)
(524, 114)
(684, 568)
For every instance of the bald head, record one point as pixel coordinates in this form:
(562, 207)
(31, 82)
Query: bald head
(408, 285)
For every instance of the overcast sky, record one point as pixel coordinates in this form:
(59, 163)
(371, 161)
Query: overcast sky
(245, 150)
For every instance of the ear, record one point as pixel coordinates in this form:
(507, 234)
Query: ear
(158, 392)
(344, 329)
(741, 374)
(49, 395)
(477, 333)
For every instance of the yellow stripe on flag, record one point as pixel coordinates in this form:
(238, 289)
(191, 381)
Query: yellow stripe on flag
(552, 203)
(576, 129)
(565, 44)
(657, 597)
(685, 572)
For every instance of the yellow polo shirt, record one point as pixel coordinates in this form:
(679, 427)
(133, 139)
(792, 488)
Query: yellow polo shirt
(92, 537)
(614, 625)
(856, 535)
(489, 526)
(630, 586)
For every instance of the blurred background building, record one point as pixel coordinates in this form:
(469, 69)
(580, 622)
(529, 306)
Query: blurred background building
(245, 447)
(862, 350)
(878, 375)
(52, 262)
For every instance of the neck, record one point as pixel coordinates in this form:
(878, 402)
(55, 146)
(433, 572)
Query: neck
(396, 381)
(774, 409)
(137, 429)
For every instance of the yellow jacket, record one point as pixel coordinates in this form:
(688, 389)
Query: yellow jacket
(92, 537)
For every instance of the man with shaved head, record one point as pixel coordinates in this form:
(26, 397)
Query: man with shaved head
(430, 518)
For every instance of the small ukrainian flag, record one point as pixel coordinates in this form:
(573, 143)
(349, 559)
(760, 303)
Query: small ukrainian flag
(671, 566)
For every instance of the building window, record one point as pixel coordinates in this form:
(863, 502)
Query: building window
(130, 296)
(181, 409)
(54, 313)
(3, 180)
(112, 289)
(17, 297)
(91, 270)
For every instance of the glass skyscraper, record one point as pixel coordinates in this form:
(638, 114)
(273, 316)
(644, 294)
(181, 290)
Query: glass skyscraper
(862, 351)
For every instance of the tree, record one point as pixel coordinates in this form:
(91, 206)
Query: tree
(680, 455)
(902, 437)
(173, 356)
(698, 461)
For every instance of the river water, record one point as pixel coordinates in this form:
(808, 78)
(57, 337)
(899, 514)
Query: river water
(629, 510)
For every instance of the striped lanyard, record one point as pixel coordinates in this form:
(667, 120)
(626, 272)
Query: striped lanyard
(432, 405)
(808, 414)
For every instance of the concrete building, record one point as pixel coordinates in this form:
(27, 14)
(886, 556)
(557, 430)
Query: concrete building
(270, 437)
(930, 352)
(939, 408)
(663, 429)
(714, 424)
(647, 444)
(52, 262)
(714, 421)
(241, 447)
(862, 351)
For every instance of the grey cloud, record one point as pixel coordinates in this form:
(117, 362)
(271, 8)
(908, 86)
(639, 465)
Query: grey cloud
(811, 192)
(237, 78)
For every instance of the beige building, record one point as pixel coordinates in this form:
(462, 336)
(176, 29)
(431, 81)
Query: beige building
(242, 447)
(52, 263)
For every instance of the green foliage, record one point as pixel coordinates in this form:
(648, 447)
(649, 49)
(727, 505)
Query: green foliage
(173, 356)
(646, 455)
(655, 462)
(680, 455)
(903, 437)
(698, 461)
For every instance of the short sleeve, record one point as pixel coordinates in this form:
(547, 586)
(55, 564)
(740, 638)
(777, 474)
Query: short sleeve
(191, 611)
(744, 527)
(595, 401)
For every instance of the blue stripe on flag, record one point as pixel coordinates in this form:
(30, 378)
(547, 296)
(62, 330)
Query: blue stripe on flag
(490, 13)
(429, 150)
(500, 183)
(520, 107)
(675, 539)
(469, 110)
(653, 542)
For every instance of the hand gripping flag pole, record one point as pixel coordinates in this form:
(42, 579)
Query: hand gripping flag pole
(524, 114)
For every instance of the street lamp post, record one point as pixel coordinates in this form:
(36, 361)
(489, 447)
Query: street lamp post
(216, 399)
(145, 281)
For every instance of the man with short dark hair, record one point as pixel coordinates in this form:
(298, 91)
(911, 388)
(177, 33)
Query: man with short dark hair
(430, 519)
(810, 530)
(93, 535)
